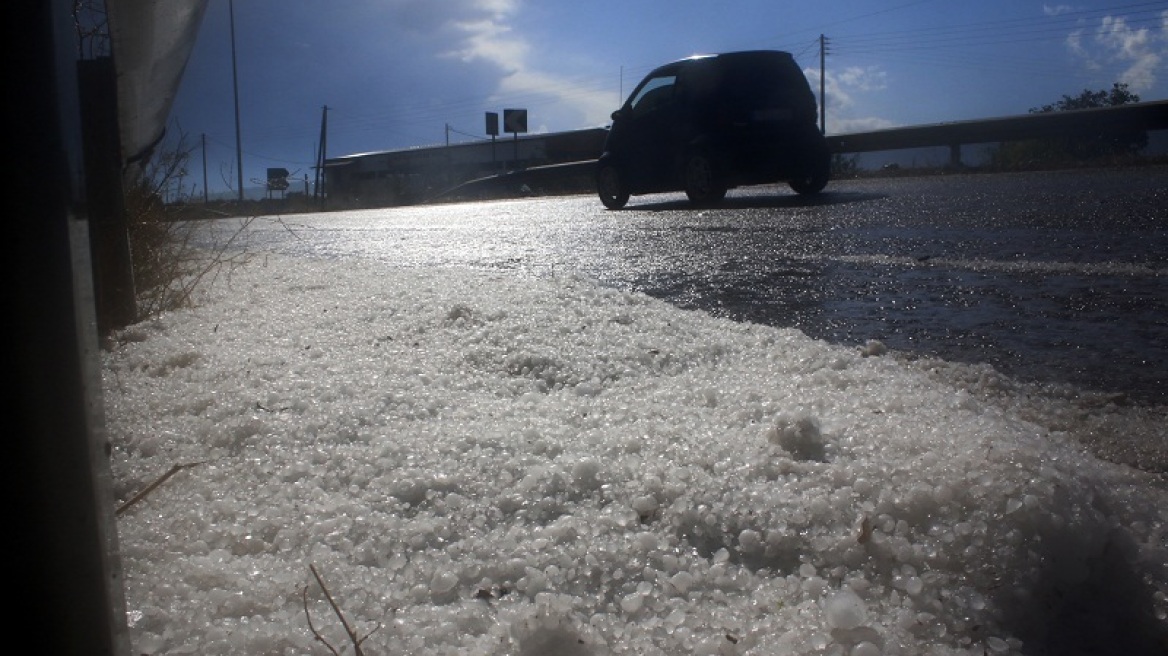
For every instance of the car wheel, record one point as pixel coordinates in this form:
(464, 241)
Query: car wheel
(815, 177)
(611, 187)
(701, 180)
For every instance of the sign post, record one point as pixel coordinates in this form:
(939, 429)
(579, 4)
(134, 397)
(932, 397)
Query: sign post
(515, 121)
(277, 180)
(493, 130)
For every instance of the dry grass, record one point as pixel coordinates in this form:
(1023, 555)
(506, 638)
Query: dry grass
(175, 251)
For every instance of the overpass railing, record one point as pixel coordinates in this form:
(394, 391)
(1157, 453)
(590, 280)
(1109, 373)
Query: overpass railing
(1079, 122)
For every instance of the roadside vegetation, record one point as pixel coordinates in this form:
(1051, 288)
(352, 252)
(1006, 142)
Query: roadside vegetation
(173, 251)
(1120, 147)
(1117, 147)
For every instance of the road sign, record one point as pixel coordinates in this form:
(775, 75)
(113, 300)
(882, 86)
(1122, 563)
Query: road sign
(493, 124)
(277, 179)
(515, 120)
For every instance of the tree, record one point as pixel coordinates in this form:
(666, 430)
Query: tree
(1118, 95)
(1115, 143)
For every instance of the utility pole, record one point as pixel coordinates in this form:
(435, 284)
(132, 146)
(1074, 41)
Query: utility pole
(320, 157)
(822, 84)
(235, 88)
(205, 197)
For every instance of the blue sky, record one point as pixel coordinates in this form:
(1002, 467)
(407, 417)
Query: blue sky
(396, 73)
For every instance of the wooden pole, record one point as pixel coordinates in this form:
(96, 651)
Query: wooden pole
(822, 84)
(206, 198)
(235, 88)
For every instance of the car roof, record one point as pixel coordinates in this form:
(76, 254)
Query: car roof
(738, 54)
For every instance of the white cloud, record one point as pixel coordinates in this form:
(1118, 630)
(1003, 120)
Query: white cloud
(1115, 34)
(1056, 10)
(490, 40)
(1139, 49)
(1074, 43)
(838, 86)
(489, 37)
(842, 90)
(1141, 75)
(1136, 55)
(426, 17)
(867, 78)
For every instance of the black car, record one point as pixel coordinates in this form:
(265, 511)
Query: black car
(709, 123)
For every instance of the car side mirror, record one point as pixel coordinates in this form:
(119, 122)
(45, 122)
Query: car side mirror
(617, 114)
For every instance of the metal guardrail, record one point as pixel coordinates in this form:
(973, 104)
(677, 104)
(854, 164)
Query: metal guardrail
(1136, 116)
(1082, 122)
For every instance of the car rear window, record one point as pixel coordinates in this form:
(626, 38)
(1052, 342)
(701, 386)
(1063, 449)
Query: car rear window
(763, 84)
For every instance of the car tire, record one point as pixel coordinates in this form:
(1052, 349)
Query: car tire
(611, 187)
(814, 178)
(700, 179)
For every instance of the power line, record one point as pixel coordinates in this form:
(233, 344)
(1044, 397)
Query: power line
(466, 134)
(978, 46)
(995, 32)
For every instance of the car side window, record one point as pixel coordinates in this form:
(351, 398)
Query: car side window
(654, 93)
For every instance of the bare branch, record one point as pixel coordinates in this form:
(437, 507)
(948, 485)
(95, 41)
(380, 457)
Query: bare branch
(357, 641)
(150, 488)
(336, 609)
(315, 633)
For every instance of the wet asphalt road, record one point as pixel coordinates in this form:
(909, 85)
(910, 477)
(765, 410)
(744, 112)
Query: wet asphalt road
(1054, 277)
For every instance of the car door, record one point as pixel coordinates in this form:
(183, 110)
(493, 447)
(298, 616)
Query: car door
(648, 131)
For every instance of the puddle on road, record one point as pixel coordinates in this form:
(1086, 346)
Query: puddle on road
(1098, 332)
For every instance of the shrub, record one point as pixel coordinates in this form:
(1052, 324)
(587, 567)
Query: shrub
(1114, 146)
(174, 250)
